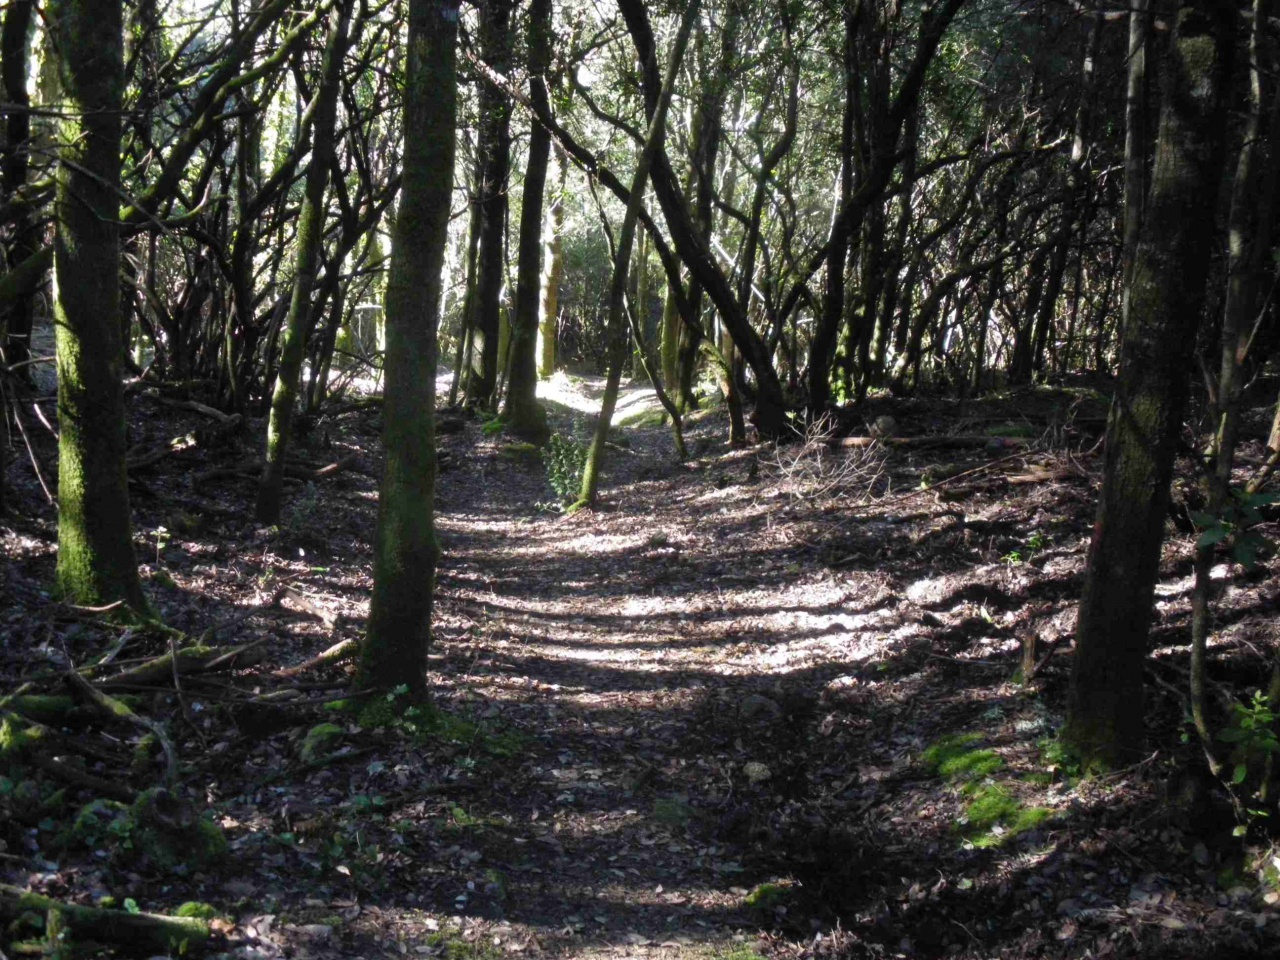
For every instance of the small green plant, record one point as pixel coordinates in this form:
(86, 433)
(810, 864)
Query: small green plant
(1036, 542)
(1060, 757)
(162, 541)
(565, 459)
(1236, 526)
(491, 424)
(1253, 732)
(396, 710)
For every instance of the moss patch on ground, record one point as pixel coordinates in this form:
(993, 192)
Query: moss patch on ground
(992, 814)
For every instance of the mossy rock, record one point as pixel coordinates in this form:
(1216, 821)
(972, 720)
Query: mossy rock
(767, 897)
(157, 827)
(320, 741)
(522, 452)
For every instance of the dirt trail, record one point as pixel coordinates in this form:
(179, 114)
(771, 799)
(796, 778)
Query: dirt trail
(694, 724)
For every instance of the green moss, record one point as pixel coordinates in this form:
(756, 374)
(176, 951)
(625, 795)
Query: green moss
(14, 739)
(196, 910)
(449, 945)
(644, 418)
(989, 806)
(971, 766)
(377, 714)
(992, 806)
(319, 741)
(1012, 430)
(167, 833)
(671, 812)
(1057, 754)
(42, 707)
(951, 758)
(156, 827)
(766, 897)
(521, 452)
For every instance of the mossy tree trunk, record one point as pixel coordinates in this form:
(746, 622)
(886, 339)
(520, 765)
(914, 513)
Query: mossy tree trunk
(96, 562)
(525, 415)
(395, 647)
(323, 112)
(1163, 303)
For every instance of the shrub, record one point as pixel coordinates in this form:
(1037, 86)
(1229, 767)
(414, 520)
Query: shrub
(565, 459)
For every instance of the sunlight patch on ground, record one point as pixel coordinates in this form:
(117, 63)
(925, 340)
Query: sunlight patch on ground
(582, 394)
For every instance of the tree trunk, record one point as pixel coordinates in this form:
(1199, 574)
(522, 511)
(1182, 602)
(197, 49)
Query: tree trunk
(462, 357)
(553, 266)
(494, 160)
(822, 349)
(324, 111)
(399, 633)
(622, 257)
(525, 416)
(1249, 240)
(16, 44)
(96, 563)
(1163, 302)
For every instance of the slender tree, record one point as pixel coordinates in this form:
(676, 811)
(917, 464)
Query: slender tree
(1163, 303)
(323, 112)
(96, 562)
(525, 416)
(617, 331)
(553, 271)
(399, 634)
(493, 165)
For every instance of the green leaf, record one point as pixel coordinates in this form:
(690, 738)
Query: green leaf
(131, 905)
(1213, 535)
(1240, 831)
(1240, 772)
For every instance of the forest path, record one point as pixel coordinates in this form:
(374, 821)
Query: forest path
(619, 642)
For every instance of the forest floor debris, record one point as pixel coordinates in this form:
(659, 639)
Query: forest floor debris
(739, 711)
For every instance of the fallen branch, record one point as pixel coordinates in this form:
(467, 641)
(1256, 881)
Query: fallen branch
(152, 930)
(187, 441)
(111, 789)
(335, 654)
(112, 708)
(935, 442)
(226, 419)
(252, 468)
(188, 660)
